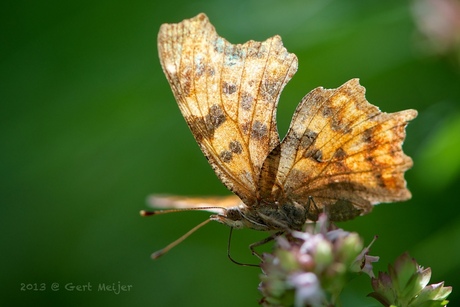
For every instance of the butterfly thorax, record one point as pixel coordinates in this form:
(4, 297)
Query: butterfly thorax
(264, 217)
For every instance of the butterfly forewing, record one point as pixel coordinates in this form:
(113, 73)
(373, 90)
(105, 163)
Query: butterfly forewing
(228, 96)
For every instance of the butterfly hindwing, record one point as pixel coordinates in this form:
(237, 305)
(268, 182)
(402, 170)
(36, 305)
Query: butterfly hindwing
(342, 153)
(184, 202)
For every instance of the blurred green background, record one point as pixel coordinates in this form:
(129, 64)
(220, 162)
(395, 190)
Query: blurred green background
(89, 128)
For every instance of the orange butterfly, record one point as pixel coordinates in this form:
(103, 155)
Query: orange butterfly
(341, 155)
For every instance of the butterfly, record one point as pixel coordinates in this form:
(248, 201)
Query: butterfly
(341, 154)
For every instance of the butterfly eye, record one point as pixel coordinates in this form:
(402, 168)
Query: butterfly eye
(234, 214)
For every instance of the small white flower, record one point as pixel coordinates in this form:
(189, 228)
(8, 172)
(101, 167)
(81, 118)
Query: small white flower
(308, 289)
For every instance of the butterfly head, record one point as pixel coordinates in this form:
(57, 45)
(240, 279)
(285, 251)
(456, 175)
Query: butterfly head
(232, 217)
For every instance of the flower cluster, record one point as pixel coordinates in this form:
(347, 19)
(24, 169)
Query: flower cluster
(311, 268)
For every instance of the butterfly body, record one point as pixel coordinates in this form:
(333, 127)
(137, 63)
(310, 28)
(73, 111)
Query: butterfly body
(267, 217)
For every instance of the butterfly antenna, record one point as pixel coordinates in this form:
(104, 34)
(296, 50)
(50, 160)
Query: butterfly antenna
(165, 249)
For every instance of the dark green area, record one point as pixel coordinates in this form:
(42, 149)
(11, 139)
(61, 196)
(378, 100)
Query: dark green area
(89, 128)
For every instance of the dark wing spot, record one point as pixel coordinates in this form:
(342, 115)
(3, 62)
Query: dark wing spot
(198, 126)
(259, 130)
(186, 87)
(246, 101)
(186, 82)
(226, 156)
(245, 127)
(380, 180)
(235, 147)
(327, 111)
(367, 135)
(308, 138)
(216, 117)
(228, 88)
(315, 154)
(205, 126)
(340, 154)
(336, 123)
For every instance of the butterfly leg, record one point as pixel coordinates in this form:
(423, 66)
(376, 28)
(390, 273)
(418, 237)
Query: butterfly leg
(262, 242)
(312, 214)
(230, 257)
